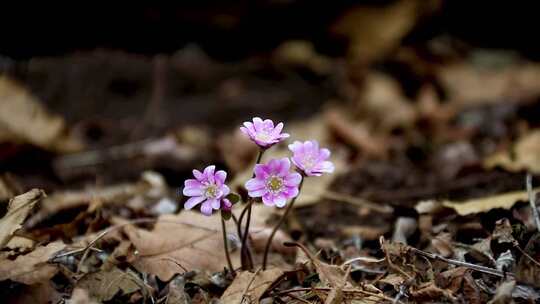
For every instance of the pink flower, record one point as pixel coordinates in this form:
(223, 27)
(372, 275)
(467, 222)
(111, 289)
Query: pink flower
(263, 133)
(309, 159)
(274, 182)
(208, 189)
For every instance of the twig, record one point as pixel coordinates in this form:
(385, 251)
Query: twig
(532, 200)
(249, 285)
(478, 268)
(349, 291)
(297, 298)
(340, 197)
(281, 220)
(526, 254)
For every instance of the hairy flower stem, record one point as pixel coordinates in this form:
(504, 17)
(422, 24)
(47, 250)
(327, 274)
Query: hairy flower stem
(247, 260)
(226, 246)
(281, 221)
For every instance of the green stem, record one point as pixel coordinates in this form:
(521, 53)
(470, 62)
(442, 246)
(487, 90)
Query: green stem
(281, 221)
(244, 249)
(226, 246)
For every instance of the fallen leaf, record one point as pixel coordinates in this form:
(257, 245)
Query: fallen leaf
(524, 155)
(24, 119)
(18, 210)
(95, 197)
(374, 31)
(468, 84)
(177, 294)
(249, 286)
(31, 268)
(429, 292)
(80, 296)
(189, 241)
(484, 204)
(44, 292)
(528, 271)
(103, 285)
(503, 294)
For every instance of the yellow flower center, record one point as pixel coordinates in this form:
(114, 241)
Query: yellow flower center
(274, 183)
(211, 191)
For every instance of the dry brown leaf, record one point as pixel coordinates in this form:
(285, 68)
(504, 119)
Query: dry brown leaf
(384, 104)
(528, 271)
(95, 197)
(80, 296)
(525, 155)
(373, 31)
(177, 294)
(302, 53)
(467, 84)
(428, 292)
(503, 293)
(249, 286)
(105, 284)
(38, 293)
(20, 243)
(484, 204)
(24, 119)
(188, 241)
(18, 210)
(31, 268)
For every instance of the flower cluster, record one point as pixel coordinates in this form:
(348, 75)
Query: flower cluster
(274, 181)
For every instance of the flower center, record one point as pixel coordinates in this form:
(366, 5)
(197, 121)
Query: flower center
(309, 161)
(211, 191)
(262, 136)
(274, 183)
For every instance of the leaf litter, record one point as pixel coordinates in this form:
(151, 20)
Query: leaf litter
(429, 200)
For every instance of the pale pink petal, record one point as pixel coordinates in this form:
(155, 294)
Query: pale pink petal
(291, 192)
(193, 201)
(268, 199)
(280, 201)
(328, 167)
(293, 179)
(206, 208)
(225, 190)
(258, 193)
(324, 154)
(220, 177)
(258, 124)
(193, 191)
(284, 166)
(209, 173)
(255, 184)
(261, 171)
(214, 203)
(192, 183)
(198, 174)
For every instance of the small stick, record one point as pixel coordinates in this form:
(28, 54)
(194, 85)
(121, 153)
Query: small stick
(532, 200)
(353, 291)
(340, 197)
(478, 268)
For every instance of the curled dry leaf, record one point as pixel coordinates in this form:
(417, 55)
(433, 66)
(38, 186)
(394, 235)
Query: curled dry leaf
(18, 210)
(467, 84)
(33, 267)
(188, 241)
(113, 194)
(80, 296)
(524, 155)
(105, 284)
(24, 119)
(374, 31)
(484, 204)
(249, 286)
